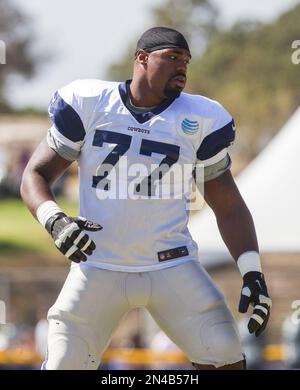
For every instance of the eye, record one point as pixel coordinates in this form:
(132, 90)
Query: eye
(173, 57)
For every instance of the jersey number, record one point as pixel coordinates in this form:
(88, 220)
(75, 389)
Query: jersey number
(122, 142)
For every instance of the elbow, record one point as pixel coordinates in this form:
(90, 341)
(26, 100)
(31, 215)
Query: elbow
(25, 183)
(23, 186)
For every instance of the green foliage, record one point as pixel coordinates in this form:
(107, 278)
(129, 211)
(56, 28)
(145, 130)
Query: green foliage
(18, 38)
(21, 233)
(247, 68)
(196, 19)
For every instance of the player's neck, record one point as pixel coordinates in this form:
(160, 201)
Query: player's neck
(142, 96)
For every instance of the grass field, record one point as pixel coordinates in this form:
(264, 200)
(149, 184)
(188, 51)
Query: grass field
(20, 233)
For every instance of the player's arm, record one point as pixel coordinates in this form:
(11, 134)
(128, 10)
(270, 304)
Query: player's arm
(233, 217)
(44, 167)
(238, 232)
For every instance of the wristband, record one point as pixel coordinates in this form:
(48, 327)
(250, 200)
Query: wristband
(46, 210)
(248, 262)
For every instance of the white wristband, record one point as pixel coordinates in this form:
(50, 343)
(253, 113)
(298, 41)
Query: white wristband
(46, 210)
(249, 261)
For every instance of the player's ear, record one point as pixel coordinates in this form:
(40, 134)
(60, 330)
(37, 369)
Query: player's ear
(142, 57)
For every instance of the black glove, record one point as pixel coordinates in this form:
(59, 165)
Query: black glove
(69, 237)
(255, 291)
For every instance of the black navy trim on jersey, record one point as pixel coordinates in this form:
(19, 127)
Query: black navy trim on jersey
(173, 253)
(216, 141)
(66, 119)
(142, 117)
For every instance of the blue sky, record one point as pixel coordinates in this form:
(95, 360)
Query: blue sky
(84, 37)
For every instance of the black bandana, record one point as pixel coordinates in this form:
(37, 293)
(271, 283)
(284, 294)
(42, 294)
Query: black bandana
(158, 38)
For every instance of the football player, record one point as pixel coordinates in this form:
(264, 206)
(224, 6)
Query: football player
(135, 250)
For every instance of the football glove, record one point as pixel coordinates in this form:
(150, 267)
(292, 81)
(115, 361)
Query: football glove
(255, 291)
(69, 236)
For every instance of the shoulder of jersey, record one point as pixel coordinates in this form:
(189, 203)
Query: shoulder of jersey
(201, 104)
(87, 88)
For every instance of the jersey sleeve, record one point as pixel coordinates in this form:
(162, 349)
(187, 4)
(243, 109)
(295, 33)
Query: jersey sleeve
(217, 137)
(68, 111)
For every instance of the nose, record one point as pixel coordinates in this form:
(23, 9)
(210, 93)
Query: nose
(182, 67)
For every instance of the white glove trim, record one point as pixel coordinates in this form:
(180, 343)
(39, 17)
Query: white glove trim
(76, 241)
(257, 318)
(263, 309)
(266, 300)
(86, 245)
(246, 291)
(71, 250)
(66, 232)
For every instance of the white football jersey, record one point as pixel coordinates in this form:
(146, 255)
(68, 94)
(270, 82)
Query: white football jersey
(119, 151)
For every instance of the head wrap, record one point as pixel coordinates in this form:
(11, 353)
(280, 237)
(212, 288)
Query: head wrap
(158, 38)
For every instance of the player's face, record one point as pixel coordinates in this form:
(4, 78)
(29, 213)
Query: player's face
(167, 71)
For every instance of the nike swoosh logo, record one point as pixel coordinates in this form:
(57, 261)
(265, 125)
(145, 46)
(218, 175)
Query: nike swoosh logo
(259, 285)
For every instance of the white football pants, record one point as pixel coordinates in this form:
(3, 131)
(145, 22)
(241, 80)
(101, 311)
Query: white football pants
(183, 300)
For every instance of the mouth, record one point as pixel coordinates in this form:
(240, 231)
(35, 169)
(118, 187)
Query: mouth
(181, 80)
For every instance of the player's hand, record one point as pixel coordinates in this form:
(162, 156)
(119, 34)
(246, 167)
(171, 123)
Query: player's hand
(69, 236)
(255, 291)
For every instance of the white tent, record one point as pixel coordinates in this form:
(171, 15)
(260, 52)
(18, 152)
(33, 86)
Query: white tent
(270, 186)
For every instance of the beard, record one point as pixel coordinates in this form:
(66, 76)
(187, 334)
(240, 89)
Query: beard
(172, 92)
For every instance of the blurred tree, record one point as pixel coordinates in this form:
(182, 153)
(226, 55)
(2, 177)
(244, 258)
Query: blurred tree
(15, 33)
(196, 19)
(249, 70)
